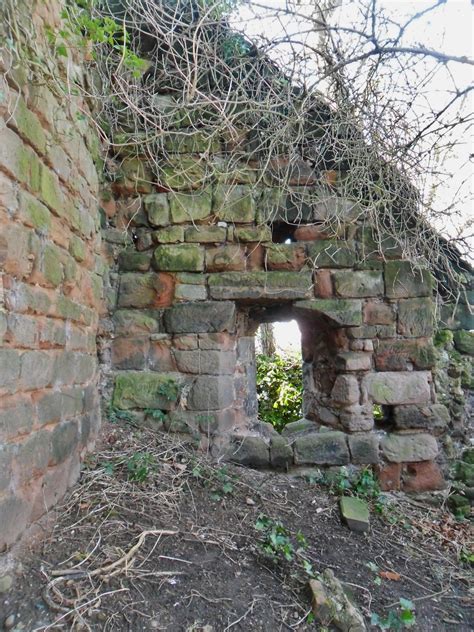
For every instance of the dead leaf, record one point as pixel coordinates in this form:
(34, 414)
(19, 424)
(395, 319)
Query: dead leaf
(391, 575)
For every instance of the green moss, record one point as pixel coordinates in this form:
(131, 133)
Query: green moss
(52, 268)
(38, 215)
(443, 337)
(135, 389)
(77, 248)
(179, 258)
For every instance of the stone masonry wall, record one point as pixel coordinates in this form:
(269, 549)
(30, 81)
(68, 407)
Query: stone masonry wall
(197, 268)
(50, 282)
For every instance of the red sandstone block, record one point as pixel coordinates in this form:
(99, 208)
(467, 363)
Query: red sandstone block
(311, 233)
(323, 287)
(285, 257)
(389, 476)
(160, 357)
(255, 256)
(378, 314)
(129, 353)
(422, 476)
(225, 258)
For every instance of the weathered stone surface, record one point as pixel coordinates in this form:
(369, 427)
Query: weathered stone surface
(136, 389)
(37, 370)
(14, 516)
(145, 290)
(188, 292)
(464, 342)
(398, 388)
(415, 317)
(323, 284)
(422, 477)
(9, 367)
(344, 312)
(407, 448)
(260, 285)
(190, 207)
(300, 427)
(357, 418)
(129, 321)
(253, 234)
(321, 448)
(364, 448)
(129, 353)
(434, 418)
(285, 256)
(345, 390)
(234, 203)
(358, 284)
(353, 361)
(281, 453)
(206, 317)
(64, 440)
(225, 258)
(376, 313)
(169, 235)
(160, 357)
(205, 234)
(248, 450)
(179, 258)
(457, 317)
(355, 513)
(202, 362)
(402, 355)
(133, 261)
(332, 606)
(332, 254)
(389, 476)
(403, 281)
(211, 393)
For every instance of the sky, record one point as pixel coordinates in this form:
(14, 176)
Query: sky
(449, 29)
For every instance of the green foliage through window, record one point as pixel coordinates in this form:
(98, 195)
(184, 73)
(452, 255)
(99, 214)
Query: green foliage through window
(279, 389)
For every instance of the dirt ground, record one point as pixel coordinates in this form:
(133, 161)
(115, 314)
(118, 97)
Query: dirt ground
(155, 538)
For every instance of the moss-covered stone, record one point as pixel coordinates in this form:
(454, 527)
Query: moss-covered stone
(133, 261)
(376, 246)
(182, 174)
(234, 203)
(169, 235)
(260, 285)
(51, 191)
(344, 312)
(179, 258)
(358, 284)
(128, 321)
(52, 268)
(255, 234)
(28, 125)
(205, 234)
(328, 253)
(464, 342)
(402, 280)
(415, 317)
(190, 141)
(190, 207)
(77, 248)
(136, 389)
(36, 214)
(157, 208)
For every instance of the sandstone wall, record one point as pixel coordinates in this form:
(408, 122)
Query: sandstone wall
(50, 278)
(198, 265)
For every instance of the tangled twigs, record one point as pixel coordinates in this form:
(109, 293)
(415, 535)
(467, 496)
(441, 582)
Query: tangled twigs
(123, 561)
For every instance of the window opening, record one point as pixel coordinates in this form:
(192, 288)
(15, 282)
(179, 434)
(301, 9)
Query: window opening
(279, 374)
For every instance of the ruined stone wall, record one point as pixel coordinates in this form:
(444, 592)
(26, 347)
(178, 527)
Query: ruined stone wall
(198, 268)
(50, 276)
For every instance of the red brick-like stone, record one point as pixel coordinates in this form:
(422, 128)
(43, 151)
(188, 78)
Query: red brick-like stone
(422, 476)
(389, 476)
(310, 233)
(129, 353)
(378, 314)
(323, 287)
(255, 256)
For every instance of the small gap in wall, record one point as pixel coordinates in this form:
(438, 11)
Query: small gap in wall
(283, 233)
(383, 416)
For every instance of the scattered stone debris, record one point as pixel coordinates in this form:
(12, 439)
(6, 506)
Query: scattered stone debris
(332, 606)
(355, 513)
